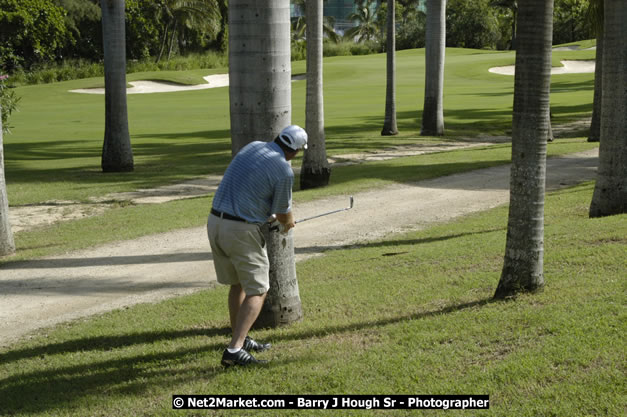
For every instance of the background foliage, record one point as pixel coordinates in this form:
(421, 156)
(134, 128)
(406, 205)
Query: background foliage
(53, 40)
(31, 31)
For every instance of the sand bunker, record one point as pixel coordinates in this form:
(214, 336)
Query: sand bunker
(146, 87)
(569, 67)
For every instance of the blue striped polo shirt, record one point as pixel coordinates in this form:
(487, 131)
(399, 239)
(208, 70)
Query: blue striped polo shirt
(257, 183)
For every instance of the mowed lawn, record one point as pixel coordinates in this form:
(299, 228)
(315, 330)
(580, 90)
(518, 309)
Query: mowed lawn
(408, 315)
(54, 151)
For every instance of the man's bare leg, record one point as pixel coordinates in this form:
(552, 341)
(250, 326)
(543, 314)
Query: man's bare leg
(236, 298)
(243, 310)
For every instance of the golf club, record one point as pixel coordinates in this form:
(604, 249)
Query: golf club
(350, 206)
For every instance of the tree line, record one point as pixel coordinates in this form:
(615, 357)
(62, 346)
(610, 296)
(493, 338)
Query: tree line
(36, 32)
(33, 32)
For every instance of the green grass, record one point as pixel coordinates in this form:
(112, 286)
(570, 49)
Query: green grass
(583, 44)
(408, 315)
(54, 151)
(133, 221)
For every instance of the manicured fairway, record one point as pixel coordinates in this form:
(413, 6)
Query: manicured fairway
(54, 152)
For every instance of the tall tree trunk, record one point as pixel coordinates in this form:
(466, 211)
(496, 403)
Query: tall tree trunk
(315, 170)
(117, 154)
(282, 305)
(260, 95)
(259, 70)
(610, 191)
(595, 124)
(514, 29)
(163, 43)
(524, 251)
(171, 47)
(7, 245)
(389, 124)
(433, 113)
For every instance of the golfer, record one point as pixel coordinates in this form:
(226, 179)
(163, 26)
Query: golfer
(256, 185)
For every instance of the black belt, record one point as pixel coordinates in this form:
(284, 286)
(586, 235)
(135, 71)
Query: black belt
(227, 216)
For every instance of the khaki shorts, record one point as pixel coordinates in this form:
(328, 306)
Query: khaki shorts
(239, 254)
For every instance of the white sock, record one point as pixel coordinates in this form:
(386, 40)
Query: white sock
(233, 350)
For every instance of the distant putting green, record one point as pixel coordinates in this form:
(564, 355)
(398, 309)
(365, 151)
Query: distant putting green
(54, 151)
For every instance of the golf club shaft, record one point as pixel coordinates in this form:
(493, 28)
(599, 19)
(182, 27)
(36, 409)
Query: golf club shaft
(326, 214)
(274, 228)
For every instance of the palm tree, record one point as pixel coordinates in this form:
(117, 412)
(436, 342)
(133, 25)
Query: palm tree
(610, 191)
(524, 251)
(259, 71)
(389, 125)
(315, 170)
(186, 13)
(117, 154)
(366, 26)
(260, 100)
(595, 16)
(433, 113)
(299, 26)
(7, 245)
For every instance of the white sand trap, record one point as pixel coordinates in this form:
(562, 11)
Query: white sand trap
(146, 87)
(569, 67)
(573, 48)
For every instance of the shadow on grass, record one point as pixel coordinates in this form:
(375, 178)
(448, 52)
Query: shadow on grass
(159, 158)
(107, 261)
(347, 328)
(106, 343)
(394, 243)
(59, 386)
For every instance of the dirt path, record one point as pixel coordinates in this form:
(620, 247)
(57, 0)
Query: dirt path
(45, 213)
(44, 292)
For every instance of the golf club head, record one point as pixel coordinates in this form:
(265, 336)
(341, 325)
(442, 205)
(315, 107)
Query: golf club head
(351, 202)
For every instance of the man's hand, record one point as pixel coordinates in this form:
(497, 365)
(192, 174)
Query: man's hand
(286, 220)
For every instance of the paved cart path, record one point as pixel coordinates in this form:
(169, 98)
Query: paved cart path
(41, 293)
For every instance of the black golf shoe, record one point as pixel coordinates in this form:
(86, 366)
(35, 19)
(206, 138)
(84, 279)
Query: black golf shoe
(252, 345)
(241, 358)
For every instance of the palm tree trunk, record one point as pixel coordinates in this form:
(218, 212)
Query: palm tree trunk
(595, 124)
(260, 96)
(389, 124)
(315, 170)
(163, 43)
(172, 40)
(524, 251)
(259, 70)
(117, 154)
(595, 18)
(433, 113)
(7, 245)
(610, 191)
(282, 305)
(514, 28)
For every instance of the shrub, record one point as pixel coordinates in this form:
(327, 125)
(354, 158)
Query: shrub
(365, 48)
(8, 102)
(32, 31)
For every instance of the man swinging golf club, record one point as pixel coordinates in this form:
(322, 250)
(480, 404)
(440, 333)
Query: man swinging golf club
(256, 185)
